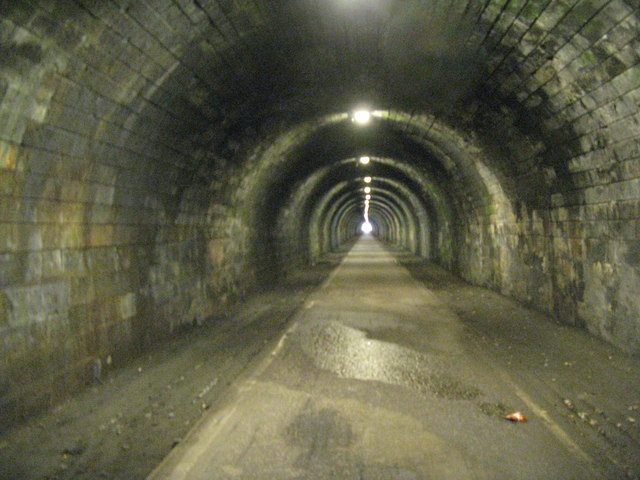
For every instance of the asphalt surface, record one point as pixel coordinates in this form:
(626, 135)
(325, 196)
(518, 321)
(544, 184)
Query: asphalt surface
(384, 374)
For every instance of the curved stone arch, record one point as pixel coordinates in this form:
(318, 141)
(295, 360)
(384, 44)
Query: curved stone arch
(392, 217)
(383, 220)
(487, 195)
(386, 225)
(349, 207)
(348, 187)
(440, 208)
(308, 192)
(303, 192)
(403, 219)
(406, 220)
(423, 219)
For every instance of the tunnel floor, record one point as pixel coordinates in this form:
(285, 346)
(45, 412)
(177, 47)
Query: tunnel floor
(390, 369)
(378, 378)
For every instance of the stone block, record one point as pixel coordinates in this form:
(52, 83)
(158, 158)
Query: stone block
(217, 251)
(108, 285)
(8, 237)
(82, 290)
(5, 311)
(35, 303)
(8, 155)
(52, 263)
(127, 306)
(32, 267)
(71, 236)
(101, 235)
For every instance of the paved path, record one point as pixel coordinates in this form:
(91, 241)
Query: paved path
(376, 378)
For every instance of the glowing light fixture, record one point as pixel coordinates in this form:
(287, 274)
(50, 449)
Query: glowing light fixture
(361, 116)
(367, 197)
(366, 227)
(364, 160)
(367, 189)
(367, 179)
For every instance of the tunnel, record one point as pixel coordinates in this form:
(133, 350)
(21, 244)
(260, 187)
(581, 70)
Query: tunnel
(165, 162)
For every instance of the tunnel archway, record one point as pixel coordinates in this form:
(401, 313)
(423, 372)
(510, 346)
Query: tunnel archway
(442, 145)
(162, 159)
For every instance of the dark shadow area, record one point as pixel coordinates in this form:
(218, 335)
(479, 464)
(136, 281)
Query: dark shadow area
(127, 421)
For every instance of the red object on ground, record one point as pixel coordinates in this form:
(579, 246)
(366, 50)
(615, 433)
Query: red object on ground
(516, 417)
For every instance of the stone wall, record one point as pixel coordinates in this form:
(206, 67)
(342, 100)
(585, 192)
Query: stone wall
(108, 238)
(566, 101)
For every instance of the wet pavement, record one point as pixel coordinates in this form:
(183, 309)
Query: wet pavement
(386, 374)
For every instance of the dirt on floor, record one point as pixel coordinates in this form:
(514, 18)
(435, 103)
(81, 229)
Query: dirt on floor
(590, 387)
(124, 425)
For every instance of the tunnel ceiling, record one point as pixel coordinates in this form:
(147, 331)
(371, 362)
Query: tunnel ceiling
(242, 66)
(160, 159)
(217, 75)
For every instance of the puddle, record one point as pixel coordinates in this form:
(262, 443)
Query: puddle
(348, 353)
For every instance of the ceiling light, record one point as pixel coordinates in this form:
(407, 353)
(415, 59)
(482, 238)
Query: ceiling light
(367, 197)
(367, 189)
(364, 160)
(361, 116)
(367, 179)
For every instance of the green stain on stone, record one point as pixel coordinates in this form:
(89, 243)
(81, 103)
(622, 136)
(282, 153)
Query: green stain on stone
(588, 58)
(489, 208)
(5, 309)
(633, 254)
(533, 10)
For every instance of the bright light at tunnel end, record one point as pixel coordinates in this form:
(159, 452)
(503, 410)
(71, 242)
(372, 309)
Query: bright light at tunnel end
(366, 228)
(364, 160)
(361, 116)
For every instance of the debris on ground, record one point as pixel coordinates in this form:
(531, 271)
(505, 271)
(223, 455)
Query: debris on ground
(74, 450)
(516, 417)
(208, 387)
